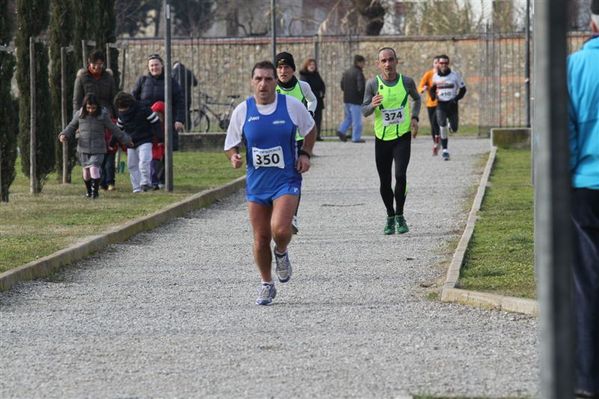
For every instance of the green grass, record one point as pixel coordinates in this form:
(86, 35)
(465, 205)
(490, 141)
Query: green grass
(500, 257)
(32, 227)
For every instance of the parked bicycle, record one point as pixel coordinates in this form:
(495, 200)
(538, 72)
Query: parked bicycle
(200, 117)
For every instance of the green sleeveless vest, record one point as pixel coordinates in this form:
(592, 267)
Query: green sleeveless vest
(296, 92)
(393, 117)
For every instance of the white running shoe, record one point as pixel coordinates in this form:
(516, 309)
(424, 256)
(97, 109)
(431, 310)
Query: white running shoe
(283, 267)
(266, 293)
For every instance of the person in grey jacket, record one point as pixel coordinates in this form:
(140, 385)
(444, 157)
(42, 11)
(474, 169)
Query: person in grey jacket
(92, 120)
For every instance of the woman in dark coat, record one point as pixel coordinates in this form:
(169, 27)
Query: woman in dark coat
(150, 88)
(309, 73)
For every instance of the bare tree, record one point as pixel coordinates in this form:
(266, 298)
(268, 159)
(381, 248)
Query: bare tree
(392, 21)
(132, 16)
(244, 19)
(373, 14)
(192, 17)
(446, 17)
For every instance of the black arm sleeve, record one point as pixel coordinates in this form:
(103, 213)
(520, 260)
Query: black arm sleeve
(432, 92)
(461, 93)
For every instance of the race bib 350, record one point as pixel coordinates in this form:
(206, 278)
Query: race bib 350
(268, 157)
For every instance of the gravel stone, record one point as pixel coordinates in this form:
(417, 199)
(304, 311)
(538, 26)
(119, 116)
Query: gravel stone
(171, 313)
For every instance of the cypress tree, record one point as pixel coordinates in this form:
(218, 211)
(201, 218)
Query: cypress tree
(85, 26)
(61, 35)
(8, 119)
(106, 33)
(32, 20)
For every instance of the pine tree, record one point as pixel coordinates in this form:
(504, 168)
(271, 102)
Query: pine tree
(8, 119)
(32, 20)
(61, 35)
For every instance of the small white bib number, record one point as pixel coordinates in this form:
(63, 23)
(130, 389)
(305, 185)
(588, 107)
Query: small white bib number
(393, 116)
(445, 94)
(268, 157)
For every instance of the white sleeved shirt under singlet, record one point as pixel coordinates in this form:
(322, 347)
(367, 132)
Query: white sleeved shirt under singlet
(311, 101)
(448, 86)
(297, 112)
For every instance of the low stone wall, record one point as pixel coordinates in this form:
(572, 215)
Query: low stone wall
(510, 138)
(201, 141)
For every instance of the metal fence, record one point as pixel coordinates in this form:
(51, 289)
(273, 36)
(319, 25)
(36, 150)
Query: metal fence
(492, 65)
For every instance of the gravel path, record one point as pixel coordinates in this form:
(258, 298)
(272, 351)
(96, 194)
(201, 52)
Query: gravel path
(171, 312)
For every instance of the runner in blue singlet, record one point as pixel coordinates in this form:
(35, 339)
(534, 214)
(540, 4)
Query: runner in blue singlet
(267, 123)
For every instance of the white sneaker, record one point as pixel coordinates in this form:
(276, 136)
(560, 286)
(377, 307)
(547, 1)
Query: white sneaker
(295, 224)
(445, 155)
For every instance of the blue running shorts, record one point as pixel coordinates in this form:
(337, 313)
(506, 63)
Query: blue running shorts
(266, 198)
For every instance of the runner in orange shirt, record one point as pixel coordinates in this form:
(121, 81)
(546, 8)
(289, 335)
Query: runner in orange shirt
(431, 104)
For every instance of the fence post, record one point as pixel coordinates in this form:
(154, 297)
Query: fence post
(123, 64)
(84, 44)
(33, 183)
(5, 49)
(527, 64)
(66, 177)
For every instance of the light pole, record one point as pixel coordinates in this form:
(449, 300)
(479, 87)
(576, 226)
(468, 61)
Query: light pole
(168, 90)
(273, 23)
(553, 242)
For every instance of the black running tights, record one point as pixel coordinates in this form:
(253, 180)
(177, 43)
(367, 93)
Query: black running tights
(386, 152)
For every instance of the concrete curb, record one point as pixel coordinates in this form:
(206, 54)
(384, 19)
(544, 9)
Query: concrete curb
(480, 299)
(45, 266)
(491, 301)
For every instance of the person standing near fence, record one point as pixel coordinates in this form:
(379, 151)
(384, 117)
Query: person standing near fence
(267, 124)
(448, 88)
(395, 122)
(309, 73)
(352, 85)
(98, 80)
(583, 127)
(431, 104)
(289, 85)
(150, 88)
(186, 80)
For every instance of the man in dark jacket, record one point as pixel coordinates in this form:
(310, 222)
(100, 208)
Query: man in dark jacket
(186, 80)
(352, 85)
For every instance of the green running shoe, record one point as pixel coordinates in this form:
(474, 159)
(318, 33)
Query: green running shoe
(402, 226)
(390, 226)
